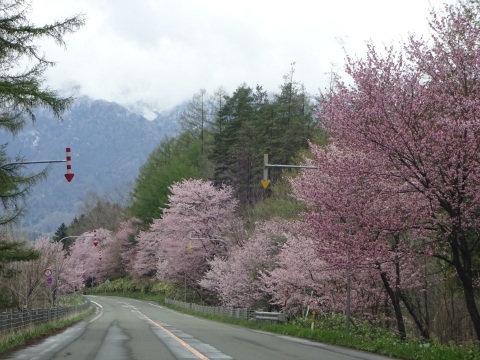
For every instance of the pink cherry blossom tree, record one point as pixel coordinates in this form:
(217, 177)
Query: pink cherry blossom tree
(145, 256)
(118, 249)
(238, 279)
(83, 265)
(124, 245)
(109, 252)
(193, 229)
(415, 112)
(358, 220)
(305, 275)
(196, 225)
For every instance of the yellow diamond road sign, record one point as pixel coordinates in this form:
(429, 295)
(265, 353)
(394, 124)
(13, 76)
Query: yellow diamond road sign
(265, 183)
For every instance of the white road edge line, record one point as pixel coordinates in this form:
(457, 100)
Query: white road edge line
(101, 311)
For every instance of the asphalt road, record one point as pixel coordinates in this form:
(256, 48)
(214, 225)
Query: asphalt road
(124, 328)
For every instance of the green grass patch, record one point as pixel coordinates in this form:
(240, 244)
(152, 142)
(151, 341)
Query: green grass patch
(71, 300)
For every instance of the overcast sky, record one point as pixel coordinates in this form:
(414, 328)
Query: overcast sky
(163, 51)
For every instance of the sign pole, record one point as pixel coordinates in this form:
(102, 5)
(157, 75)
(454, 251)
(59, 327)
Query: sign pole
(265, 181)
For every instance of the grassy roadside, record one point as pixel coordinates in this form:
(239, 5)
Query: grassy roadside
(33, 334)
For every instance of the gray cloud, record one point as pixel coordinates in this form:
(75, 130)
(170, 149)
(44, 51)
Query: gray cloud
(164, 51)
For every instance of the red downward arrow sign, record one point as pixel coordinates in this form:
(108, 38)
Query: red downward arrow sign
(69, 177)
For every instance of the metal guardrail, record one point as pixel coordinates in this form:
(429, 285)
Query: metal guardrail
(270, 316)
(239, 313)
(20, 319)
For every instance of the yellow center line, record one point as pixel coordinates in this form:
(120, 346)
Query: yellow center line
(175, 337)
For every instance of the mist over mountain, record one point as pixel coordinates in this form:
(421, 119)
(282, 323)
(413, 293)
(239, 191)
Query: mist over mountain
(108, 142)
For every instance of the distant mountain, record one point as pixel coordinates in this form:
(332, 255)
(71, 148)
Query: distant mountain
(108, 142)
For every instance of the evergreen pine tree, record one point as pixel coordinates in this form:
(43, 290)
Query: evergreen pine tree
(60, 233)
(235, 147)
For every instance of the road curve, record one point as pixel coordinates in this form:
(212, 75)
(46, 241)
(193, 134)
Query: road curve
(123, 328)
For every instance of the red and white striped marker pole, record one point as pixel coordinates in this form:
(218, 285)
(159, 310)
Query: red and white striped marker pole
(69, 175)
(99, 254)
(95, 241)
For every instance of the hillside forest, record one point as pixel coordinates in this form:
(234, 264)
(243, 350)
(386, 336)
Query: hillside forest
(386, 221)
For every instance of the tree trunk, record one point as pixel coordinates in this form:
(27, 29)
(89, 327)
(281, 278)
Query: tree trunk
(472, 307)
(411, 309)
(463, 266)
(469, 298)
(396, 306)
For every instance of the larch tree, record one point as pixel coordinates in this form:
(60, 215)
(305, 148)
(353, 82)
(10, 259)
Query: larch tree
(22, 90)
(15, 251)
(197, 116)
(415, 110)
(294, 122)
